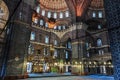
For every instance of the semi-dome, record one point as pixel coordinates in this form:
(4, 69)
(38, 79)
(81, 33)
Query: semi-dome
(57, 5)
(4, 13)
(97, 4)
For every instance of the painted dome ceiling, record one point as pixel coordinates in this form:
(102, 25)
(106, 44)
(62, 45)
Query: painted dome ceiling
(65, 12)
(4, 13)
(97, 4)
(57, 5)
(52, 12)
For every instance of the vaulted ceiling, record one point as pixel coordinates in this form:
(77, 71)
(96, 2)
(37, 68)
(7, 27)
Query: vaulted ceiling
(78, 8)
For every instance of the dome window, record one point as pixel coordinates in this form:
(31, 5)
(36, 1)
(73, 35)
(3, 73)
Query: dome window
(93, 14)
(43, 12)
(100, 15)
(61, 15)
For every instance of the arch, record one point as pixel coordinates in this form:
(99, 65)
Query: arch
(69, 39)
(49, 14)
(67, 14)
(4, 14)
(38, 9)
(55, 15)
(61, 15)
(66, 36)
(99, 42)
(41, 22)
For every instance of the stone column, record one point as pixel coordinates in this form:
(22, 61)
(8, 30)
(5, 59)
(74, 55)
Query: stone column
(17, 58)
(112, 8)
(17, 40)
(75, 54)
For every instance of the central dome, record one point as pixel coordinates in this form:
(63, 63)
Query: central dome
(54, 5)
(53, 14)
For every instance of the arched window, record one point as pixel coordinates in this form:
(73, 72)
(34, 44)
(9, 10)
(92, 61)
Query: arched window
(55, 27)
(61, 15)
(99, 27)
(67, 13)
(63, 27)
(32, 37)
(38, 9)
(55, 53)
(99, 42)
(69, 45)
(43, 12)
(49, 14)
(41, 22)
(55, 42)
(55, 15)
(36, 20)
(20, 15)
(46, 25)
(93, 14)
(59, 27)
(46, 39)
(100, 15)
(66, 55)
(87, 45)
(101, 52)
